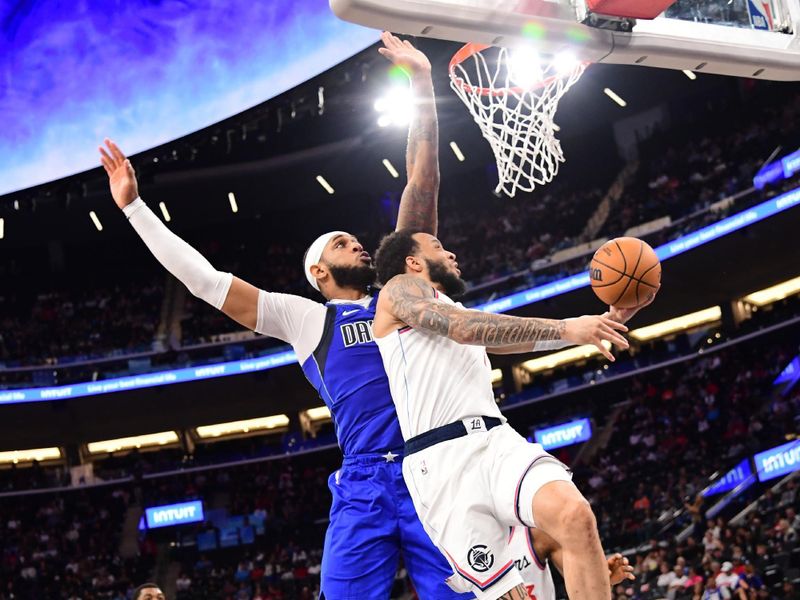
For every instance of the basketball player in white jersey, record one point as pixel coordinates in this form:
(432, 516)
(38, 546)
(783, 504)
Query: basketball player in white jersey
(534, 551)
(470, 475)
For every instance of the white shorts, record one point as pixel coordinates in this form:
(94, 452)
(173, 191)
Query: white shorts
(469, 492)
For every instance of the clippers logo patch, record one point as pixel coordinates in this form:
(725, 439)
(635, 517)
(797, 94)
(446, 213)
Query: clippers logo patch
(480, 558)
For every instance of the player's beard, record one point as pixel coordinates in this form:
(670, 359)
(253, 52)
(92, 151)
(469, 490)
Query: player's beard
(358, 278)
(453, 285)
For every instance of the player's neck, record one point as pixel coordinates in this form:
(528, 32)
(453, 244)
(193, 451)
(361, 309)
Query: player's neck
(343, 293)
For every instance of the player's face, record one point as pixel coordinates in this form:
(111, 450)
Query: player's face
(346, 251)
(349, 264)
(432, 251)
(441, 265)
(151, 594)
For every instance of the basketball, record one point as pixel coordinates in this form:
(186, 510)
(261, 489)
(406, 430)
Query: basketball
(624, 272)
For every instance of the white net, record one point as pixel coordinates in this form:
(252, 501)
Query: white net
(514, 101)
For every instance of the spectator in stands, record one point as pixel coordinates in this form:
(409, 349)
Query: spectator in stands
(148, 591)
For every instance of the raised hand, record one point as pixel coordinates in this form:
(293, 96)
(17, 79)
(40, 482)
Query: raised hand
(404, 55)
(619, 569)
(595, 329)
(121, 176)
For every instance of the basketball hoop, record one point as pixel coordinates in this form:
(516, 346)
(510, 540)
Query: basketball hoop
(515, 116)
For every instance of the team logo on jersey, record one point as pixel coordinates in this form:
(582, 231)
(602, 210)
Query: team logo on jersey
(359, 332)
(480, 558)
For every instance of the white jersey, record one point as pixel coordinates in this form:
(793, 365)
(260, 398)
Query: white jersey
(434, 380)
(535, 573)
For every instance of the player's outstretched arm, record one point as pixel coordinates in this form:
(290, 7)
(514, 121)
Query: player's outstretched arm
(236, 298)
(418, 204)
(411, 301)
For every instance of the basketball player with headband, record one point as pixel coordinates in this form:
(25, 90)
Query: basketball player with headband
(372, 518)
(470, 475)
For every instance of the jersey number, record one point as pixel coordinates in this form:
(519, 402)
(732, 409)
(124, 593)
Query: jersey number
(531, 595)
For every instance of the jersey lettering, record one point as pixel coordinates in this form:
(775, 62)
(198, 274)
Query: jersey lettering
(359, 332)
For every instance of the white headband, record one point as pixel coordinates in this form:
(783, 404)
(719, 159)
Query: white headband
(314, 254)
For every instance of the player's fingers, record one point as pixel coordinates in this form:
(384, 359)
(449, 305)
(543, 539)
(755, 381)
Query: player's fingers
(130, 168)
(118, 154)
(106, 165)
(603, 350)
(614, 324)
(104, 156)
(615, 338)
(408, 44)
(389, 39)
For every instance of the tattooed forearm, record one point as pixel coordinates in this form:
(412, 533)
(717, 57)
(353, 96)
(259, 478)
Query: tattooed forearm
(412, 301)
(418, 205)
(518, 593)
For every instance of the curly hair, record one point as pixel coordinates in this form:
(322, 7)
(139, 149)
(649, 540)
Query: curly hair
(390, 259)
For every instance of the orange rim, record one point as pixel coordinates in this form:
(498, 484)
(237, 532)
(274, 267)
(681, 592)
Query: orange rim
(471, 49)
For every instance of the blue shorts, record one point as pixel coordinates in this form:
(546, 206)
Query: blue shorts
(372, 523)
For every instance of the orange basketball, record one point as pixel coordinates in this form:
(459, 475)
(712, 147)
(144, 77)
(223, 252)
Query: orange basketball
(624, 272)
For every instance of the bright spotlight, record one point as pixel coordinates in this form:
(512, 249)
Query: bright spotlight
(525, 68)
(564, 62)
(396, 107)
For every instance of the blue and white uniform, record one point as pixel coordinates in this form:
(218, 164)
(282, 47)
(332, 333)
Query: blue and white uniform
(372, 519)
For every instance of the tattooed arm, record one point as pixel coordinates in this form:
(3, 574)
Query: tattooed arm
(418, 204)
(410, 300)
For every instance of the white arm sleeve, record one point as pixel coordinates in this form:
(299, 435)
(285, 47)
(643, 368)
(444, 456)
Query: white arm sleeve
(178, 257)
(550, 345)
(293, 319)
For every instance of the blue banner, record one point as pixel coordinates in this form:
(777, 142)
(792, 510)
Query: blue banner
(136, 382)
(731, 479)
(666, 251)
(778, 462)
(790, 373)
(778, 170)
(567, 434)
(174, 514)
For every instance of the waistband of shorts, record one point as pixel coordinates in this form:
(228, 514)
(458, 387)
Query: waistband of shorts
(450, 432)
(373, 458)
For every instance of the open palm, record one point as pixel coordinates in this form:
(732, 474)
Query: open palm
(121, 176)
(404, 55)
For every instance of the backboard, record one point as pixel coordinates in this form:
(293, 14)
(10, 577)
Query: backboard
(743, 38)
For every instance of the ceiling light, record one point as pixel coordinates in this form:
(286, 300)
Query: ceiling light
(615, 97)
(390, 167)
(323, 182)
(95, 220)
(457, 151)
(396, 107)
(164, 212)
